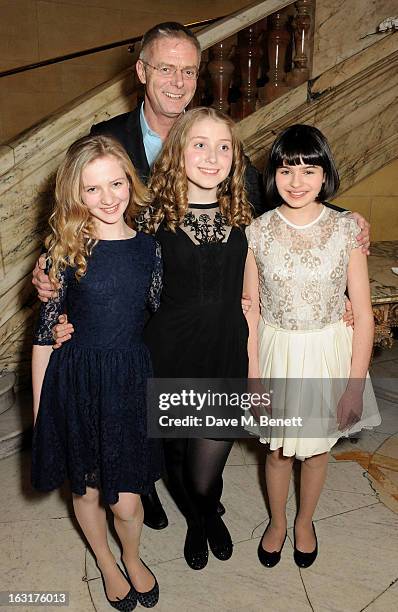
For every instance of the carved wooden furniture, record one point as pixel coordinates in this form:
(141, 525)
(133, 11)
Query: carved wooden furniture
(384, 290)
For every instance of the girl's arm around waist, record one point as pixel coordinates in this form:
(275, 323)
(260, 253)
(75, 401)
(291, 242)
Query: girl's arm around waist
(251, 289)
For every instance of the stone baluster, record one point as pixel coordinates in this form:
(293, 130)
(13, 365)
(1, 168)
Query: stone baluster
(249, 64)
(278, 40)
(221, 69)
(302, 42)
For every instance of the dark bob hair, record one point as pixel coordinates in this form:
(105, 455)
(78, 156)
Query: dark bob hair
(301, 144)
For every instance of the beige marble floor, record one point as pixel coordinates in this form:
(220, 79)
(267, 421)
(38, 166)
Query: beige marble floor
(356, 570)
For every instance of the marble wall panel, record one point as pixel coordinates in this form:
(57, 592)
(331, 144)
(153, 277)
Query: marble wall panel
(382, 183)
(73, 79)
(16, 343)
(46, 79)
(377, 198)
(18, 32)
(64, 29)
(340, 28)
(368, 148)
(26, 109)
(384, 218)
(358, 204)
(24, 213)
(378, 51)
(361, 102)
(16, 297)
(116, 4)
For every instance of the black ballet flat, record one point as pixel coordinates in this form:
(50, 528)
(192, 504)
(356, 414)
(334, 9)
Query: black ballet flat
(150, 598)
(266, 558)
(154, 515)
(196, 553)
(128, 602)
(219, 538)
(303, 559)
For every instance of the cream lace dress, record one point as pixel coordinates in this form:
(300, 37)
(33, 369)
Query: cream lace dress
(304, 346)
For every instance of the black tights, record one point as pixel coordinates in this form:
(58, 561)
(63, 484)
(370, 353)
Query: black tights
(194, 471)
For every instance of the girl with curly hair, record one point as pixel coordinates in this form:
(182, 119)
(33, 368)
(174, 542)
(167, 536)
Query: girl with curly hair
(89, 402)
(200, 210)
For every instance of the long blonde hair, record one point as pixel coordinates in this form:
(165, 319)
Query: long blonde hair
(169, 186)
(72, 236)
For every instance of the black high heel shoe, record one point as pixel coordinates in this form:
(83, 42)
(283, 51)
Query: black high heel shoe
(128, 603)
(219, 538)
(303, 559)
(150, 598)
(266, 558)
(196, 552)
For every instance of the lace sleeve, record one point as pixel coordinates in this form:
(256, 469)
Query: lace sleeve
(49, 313)
(351, 231)
(157, 281)
(142, 219)
(252, 235)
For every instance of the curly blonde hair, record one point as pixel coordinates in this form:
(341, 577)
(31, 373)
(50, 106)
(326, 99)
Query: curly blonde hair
(72, 236)
(169, 186)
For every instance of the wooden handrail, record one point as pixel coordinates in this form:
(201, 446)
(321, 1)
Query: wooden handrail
(231, 24)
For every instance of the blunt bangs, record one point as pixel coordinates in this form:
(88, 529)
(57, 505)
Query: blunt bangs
(301, 144)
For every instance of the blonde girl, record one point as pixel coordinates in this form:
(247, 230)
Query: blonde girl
(89, 396)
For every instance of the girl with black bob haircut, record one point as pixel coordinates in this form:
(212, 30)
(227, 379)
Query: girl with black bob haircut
(302, 257)
(301, 144)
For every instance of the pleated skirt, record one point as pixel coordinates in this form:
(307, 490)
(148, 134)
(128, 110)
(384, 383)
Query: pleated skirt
(306, 374)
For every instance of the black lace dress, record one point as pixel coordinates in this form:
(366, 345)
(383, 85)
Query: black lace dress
(199, 329)
(91, 425)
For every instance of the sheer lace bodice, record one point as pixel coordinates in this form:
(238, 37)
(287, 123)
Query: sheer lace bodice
(302, 269)
(205, 224)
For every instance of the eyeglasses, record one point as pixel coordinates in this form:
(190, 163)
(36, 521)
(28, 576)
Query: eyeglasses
(165, 71)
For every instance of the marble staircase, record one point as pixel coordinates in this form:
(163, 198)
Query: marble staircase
(15, 417)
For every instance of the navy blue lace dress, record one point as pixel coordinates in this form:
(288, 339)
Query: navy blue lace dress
(91, 425)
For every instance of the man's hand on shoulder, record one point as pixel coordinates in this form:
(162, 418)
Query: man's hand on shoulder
(363, 237)
(40, 280)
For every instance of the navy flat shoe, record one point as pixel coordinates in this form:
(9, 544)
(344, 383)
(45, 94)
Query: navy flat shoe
(150, 598)
(128, 603)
